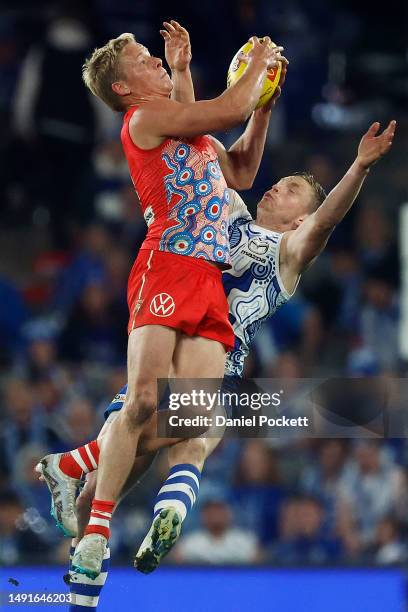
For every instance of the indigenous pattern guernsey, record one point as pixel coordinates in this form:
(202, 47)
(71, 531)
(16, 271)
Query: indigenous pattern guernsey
(183, 195)
(253, 286)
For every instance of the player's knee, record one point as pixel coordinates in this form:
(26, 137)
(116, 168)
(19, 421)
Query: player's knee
(140, 407)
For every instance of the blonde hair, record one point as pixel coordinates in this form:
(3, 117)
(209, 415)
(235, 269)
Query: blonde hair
(102, 69)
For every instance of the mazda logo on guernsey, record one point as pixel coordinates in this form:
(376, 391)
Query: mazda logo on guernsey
(162, 305)
(258, 246)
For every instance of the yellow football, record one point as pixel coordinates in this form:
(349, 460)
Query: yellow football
(238, 67)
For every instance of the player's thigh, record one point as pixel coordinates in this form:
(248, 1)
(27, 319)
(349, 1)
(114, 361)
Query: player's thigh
(150, 353)
(198, 357)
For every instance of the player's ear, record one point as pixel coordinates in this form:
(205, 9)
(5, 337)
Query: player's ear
(120, 88)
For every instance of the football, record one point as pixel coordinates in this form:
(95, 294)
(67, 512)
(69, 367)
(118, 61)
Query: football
(238, 67)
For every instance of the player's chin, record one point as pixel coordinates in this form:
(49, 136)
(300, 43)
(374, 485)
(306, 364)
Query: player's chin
(167, 83)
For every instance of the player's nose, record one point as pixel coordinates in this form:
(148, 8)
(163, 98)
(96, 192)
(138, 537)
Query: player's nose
(157, 62)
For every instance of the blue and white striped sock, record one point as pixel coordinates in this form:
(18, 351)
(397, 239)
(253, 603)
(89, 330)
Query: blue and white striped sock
(85, 591)
(180, 490)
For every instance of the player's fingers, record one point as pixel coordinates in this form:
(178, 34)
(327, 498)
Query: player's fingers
(390, 129)
(277, 93)
(285, 62)
(254, 40)
(266, 39)
(276, 50)
(168, 26)
(178, 27)
(373, 129)
(165, 34)
(282, 77)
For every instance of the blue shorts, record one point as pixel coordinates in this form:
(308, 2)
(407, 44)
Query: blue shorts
(231, 384)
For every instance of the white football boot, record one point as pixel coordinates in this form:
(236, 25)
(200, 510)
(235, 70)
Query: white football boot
(63, 491)
(89, 554)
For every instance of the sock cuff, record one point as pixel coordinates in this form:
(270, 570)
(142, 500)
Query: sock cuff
(103, 506)
(185, 467)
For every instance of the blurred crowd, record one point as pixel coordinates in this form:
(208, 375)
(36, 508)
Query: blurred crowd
(70, 227)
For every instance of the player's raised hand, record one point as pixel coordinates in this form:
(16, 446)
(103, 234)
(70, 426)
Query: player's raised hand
(177, 45)
(261, 51)
(374, 145)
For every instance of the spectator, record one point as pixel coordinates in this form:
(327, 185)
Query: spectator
(323, 475)
(40, 356)
(95, 332)
(24, 423)
(30, 489)
(218, 542)
(258, 492)
(17, 531)
(295, 327)
(379, 319)
(390, 547)
(13, 314)
(302, 539)
(88, 266)
(64, 133)
(373, 487)
(80, 422)
(375, 242)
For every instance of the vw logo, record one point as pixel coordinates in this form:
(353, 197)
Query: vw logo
(162, 305)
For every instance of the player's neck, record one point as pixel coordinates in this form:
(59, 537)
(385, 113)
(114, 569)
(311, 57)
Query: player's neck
(271, 224)
(137, 100)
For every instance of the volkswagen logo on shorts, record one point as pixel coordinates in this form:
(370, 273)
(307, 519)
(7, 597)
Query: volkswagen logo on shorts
(162, 305)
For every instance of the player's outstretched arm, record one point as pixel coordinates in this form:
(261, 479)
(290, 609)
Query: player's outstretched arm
(310, 238)
(240, 163)
(177, 49)
(162, 118)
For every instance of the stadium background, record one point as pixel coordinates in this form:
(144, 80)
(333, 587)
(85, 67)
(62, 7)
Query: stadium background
(70, 227)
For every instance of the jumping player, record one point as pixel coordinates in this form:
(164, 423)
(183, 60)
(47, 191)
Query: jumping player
(292, 227)
(184, 197)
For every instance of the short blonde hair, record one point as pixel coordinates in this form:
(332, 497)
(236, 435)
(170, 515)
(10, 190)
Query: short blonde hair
(102, 69)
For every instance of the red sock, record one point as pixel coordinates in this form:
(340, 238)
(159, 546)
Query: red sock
(81, 460)
(101, 514)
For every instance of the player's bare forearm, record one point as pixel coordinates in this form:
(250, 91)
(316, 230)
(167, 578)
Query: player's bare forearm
(178, 56)
(340, 199)
(310, 238)
(246, 153)
(183, 87)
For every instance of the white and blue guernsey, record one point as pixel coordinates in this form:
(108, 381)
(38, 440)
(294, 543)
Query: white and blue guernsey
(253, 285)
